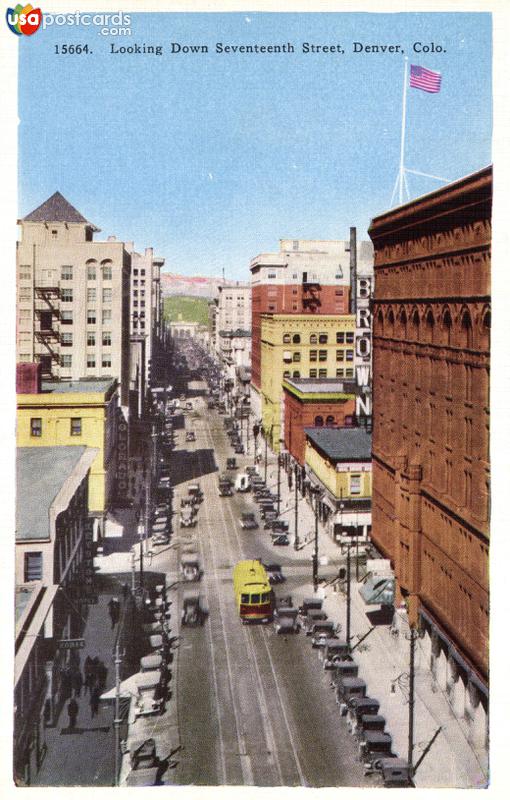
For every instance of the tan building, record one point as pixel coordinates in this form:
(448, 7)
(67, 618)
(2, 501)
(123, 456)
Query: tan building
(73, 297)
(146, 301)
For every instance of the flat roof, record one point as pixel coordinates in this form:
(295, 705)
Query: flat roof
(342, 444)
(322, 385)
(95, 386)
(40, 475)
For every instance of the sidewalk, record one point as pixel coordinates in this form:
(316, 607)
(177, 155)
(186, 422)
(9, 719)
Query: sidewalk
(383, 660)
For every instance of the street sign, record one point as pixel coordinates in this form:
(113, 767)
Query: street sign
(71, 644)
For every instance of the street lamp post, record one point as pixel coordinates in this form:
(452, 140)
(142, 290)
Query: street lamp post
(315, 557)
(296, 536)
(278, 496)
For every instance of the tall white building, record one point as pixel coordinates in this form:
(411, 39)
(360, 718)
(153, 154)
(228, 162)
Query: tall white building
(72, 297)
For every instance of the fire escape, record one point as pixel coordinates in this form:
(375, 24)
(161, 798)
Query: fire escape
(47, 314)
(311, 293)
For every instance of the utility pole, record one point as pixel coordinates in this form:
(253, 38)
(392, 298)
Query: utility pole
(348, 610)
(296, 536)
(315, 557)
(117, 721)
(279, 486)
(413, 634)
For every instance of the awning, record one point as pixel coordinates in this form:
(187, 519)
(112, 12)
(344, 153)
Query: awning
(378, 589)
(128, 689)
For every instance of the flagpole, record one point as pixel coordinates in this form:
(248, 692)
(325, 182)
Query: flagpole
(401, 173)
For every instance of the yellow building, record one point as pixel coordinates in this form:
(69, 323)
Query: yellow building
(84, 413)
(301, 346)
(338, 464)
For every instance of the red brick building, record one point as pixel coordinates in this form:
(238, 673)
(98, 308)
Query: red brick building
(309, 403)
(431, 327)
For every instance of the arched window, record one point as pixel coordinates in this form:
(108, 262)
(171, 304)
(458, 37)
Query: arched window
(296, 374)
(319, 422)
(286, 338)
(313, 338)
(402, 318)
(415, 322)
(391, 321)
(467, 330)
(106, 266)
(380, 322)
(330, 420)
(447, 327)
(429, 326)
(296, 339)
(486, 328)
(286, 374)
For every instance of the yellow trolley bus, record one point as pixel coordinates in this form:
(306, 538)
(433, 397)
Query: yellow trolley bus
(253, 593)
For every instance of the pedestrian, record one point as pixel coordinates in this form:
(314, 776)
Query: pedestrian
(77, 681)
(72, 710)
(101, 674)
(114, 610)
(94, 701)
(125, 591)
(88, 671)
(66, 683)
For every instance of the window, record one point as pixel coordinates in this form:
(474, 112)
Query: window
(349, 337)
(255, 598)
(142, 303)
(323, 355)
(330, 420)
(340, 337)
(91, 339)
(25, 293)
(33, 567)
(142, 324)
(349, 373)
(91, 316)
(91, 272)
(25, 273)
(135, 292)
(295, 244)
(107, 272)
(91, 295)
(142, 272)
(339, 373)
(296, 339)
(25, 357)
(66, 317)
(107, 315)
(76, 426)
(107, 295)
(91, 361)
(66, 340)
(66, 273)
(339, 292)
(271, 275)
(323, 338)
(245, 598)
(339, 355)
(319, 422)
(323, 373)
(355, 484)
(135, 303)
(142, 283)
(296, 356)
(107, 361)
(36, 426)
(67, 295)
(286, 374)
(313, 355)
(107, 339)
(296, 374)
(135, 272)
(349, 355)
(313, 338)
(135, 282)
(54, 234)
(66, 361)
(313, 373)
(142, 292)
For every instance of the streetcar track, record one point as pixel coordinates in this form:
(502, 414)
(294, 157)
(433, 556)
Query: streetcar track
(251, 646)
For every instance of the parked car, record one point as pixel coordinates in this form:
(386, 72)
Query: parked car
(248, 521)
(190, 436)
(280, 540)
(274, 573)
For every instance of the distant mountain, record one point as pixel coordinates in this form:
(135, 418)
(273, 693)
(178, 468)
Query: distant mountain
(191, 286)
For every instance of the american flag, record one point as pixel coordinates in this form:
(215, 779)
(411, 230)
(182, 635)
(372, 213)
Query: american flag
(425, 79)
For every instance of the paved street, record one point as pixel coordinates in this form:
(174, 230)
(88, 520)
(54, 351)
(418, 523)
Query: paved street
(254, 708)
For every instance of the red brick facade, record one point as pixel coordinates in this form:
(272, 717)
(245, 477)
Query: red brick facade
(431, 405)
(301, 414)
(290, 298)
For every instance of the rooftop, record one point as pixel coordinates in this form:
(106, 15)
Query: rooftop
(100, 386)
(57, 209)
(342, 444)
(40, 475)
(322, 386)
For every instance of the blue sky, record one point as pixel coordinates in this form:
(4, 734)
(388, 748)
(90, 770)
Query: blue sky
(212, 158)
